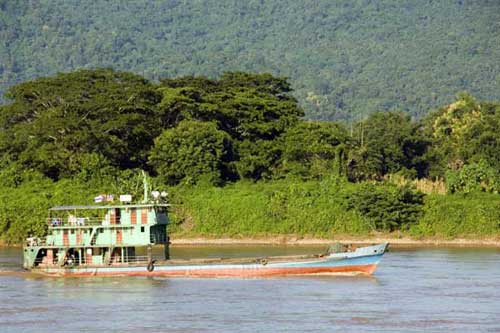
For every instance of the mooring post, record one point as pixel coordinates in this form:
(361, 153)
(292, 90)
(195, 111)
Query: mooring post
(166, 248)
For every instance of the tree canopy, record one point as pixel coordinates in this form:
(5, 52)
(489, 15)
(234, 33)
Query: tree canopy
(240, 126)
(92, 130)
(55, 125)
(191, 151)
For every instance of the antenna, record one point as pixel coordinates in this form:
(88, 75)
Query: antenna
(146, 187)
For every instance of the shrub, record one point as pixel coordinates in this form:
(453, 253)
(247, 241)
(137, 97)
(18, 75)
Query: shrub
(389, 208)
(473, 177)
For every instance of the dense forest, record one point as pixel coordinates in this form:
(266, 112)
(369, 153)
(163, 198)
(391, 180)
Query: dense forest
(239, 159)
(345, 59)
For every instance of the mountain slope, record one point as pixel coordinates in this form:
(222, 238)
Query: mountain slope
(344, 58)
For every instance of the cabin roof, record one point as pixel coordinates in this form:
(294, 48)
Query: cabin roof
(56, 208)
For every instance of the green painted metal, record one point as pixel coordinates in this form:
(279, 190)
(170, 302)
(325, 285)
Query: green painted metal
(102, 229)
(131, 225)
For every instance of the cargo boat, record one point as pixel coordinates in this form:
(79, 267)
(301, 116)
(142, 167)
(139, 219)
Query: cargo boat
(107, 240)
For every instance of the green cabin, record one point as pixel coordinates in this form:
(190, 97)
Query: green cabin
(99, 235)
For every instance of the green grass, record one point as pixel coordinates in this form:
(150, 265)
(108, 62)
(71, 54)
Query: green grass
(268, 208)
(289, 207)
(451, 216)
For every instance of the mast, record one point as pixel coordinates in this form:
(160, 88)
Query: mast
(146, 185)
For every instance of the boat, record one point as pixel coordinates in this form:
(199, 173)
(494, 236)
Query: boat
(118, 240)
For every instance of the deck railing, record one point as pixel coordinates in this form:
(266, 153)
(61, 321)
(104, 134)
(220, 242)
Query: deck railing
(115, 260)
(55, 222)
(36, 241)
(158, 238)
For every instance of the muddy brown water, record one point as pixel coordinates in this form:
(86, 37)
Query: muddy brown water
(414, 290)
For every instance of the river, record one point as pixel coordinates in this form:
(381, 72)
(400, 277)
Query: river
(413, 290)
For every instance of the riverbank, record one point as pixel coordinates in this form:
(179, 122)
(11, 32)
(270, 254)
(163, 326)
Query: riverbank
(297, 241)
(276, 212)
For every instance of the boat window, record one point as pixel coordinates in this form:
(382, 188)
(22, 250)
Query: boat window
(142, 229)
(72, 231)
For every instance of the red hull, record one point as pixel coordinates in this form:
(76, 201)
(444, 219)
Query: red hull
(362, 269)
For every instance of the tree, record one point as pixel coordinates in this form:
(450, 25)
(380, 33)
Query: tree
(335, 52)
(257, 159)
(313, 149)
(247, 106)
(254, 109)
(55, 124)
(473, 177)
(465, 134)
(191, 151)
(387, 142)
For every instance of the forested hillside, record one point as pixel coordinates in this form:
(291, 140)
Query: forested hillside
(344, 58)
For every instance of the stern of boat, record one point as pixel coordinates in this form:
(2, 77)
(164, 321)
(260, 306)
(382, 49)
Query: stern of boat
(30, 254)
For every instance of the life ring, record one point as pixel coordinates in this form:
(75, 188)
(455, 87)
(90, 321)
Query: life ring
(151, 266)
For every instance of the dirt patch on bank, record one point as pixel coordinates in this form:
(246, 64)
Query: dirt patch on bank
(293, 240)
(395, 242)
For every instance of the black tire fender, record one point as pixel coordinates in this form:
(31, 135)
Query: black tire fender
(151, 266)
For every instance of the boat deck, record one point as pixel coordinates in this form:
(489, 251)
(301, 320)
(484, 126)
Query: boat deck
(142, 261)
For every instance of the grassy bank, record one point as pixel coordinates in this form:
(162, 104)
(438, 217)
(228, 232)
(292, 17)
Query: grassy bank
(319, 209)
(281, 211)
(267, 208)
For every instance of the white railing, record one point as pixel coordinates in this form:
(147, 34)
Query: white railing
(79, 222)
(36, 241)
(74, 262)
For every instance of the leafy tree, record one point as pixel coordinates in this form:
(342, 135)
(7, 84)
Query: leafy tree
(245, 105)
(254, 109)
(449, 126)
(474, 177)
(55, 125)
(257, 159)
(466, 139)
(387, 142)
(315, 149)
(199, 83)
(191, 151)
(264, 83)
(176, 105)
